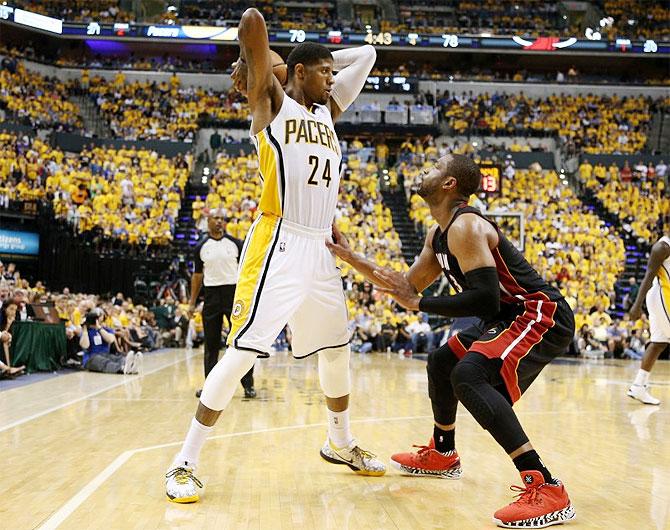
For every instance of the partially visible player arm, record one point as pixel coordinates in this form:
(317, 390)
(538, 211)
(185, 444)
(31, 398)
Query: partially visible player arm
(353, 65)
(264, 91)
(421, 274)
(659, 253)
(470, 239)
(425, 269)
(340, 247)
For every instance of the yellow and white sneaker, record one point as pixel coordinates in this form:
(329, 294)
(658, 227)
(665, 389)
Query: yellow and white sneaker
(361, 461)
(180, 484)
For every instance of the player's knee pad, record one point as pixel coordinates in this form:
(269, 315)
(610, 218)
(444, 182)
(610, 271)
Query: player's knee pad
(334, 371)
(470, 386)
(222, 381)
(441, 362)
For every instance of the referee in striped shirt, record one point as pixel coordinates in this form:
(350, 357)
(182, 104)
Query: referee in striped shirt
(216, 261)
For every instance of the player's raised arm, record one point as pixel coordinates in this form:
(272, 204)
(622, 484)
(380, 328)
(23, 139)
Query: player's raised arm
(264, 91)
(353, 65)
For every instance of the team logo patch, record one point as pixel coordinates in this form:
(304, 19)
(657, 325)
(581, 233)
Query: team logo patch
(238, 308)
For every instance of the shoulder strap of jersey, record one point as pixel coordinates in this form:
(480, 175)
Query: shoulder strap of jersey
(465, 208)
(436, 238)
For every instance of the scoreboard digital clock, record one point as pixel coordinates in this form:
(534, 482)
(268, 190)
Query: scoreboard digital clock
(491, 184)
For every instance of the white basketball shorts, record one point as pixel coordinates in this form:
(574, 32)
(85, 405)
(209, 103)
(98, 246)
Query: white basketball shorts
(287, 275)
(658, 305)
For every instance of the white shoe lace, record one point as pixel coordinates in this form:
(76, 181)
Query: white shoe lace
(182, 475)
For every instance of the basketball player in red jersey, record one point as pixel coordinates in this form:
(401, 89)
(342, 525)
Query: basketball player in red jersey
(524, 324)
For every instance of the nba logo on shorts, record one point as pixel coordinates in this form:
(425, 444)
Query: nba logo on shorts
(282, 246)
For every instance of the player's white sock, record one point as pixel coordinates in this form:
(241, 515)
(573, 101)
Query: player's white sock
(195, 439)
(642, 377)
(338, 428)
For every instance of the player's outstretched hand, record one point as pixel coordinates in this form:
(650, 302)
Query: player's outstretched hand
(399, 288)
(340, 246)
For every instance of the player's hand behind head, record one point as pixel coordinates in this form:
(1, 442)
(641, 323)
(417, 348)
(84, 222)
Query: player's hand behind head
(239, 76)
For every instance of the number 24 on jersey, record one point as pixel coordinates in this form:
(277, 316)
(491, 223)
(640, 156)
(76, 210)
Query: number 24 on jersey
(317, 172)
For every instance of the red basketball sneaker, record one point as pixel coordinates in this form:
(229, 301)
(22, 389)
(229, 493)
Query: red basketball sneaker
(539, 504)
(428, 461)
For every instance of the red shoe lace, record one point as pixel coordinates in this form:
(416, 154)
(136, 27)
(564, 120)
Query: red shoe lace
(423, 451)
(527, 495)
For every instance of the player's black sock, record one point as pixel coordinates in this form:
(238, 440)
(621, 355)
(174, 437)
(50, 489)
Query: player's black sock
(444, 440)
(530, 461)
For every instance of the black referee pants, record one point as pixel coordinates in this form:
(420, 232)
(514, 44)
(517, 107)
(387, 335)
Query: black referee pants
(218, 302)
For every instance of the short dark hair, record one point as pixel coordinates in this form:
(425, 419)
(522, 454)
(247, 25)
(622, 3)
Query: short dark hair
(466, 173)
(306, 53)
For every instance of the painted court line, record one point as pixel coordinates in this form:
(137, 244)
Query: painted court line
(123, 381)
(80, 497)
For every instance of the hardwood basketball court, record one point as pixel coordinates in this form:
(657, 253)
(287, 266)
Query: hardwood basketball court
(89, 450)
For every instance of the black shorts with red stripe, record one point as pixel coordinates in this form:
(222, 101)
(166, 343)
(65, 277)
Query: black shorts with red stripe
(523, 339)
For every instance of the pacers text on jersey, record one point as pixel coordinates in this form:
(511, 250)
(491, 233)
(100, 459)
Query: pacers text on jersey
(310, 132)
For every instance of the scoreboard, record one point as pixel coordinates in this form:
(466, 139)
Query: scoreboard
(491, 184)
(384, 39)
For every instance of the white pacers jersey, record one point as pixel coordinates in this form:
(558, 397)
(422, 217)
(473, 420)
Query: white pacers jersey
(658, 301)
(299, 157)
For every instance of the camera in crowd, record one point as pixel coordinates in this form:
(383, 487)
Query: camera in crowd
(92, 318)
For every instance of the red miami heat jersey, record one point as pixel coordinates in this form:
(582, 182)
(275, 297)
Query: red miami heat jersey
(519, 282)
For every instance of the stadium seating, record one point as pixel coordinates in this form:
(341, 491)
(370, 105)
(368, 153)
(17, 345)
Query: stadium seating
(36, 100)
(79, 10)
(536, 17)
(162, 111)
(88, 190)
(637, 200)
(638, 19)
(593, 124)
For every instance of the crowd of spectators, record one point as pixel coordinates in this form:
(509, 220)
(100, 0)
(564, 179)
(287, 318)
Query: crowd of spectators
(277, 14)
(161, 111)
(637, 195)
(35, 100)
(130, 194)
(531, 18)
(104, 334)
(78, 10)
(637, 19)
(592, 124)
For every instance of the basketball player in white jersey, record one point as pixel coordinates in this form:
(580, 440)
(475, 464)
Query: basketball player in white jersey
(286, 272)
(655, 289)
